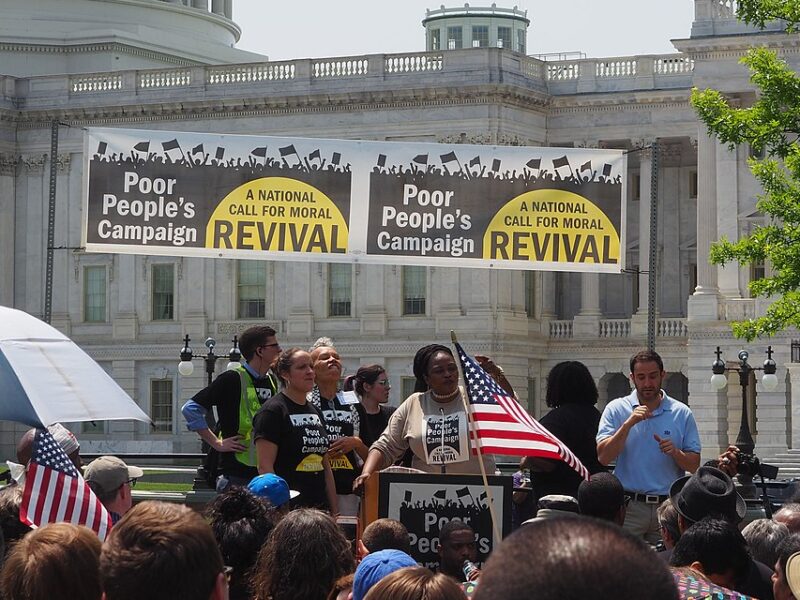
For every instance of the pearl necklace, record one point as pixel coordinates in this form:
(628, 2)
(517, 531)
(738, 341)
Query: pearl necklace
(444, 398)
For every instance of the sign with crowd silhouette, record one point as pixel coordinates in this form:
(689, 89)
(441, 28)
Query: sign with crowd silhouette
(192, 194)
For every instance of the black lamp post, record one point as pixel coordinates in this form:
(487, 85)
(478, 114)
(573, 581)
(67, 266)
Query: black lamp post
(744, 439)
(185, 367)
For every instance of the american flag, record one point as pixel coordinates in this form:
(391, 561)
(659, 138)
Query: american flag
(55, 492)
(503, 426)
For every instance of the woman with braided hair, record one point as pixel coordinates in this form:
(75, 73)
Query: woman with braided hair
(432, 422)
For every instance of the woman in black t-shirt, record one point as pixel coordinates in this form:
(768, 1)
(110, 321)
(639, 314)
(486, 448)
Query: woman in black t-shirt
(290, 436)
(572, 395)
(372, 386)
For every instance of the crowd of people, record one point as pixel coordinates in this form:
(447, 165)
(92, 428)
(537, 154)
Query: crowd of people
(294, 446)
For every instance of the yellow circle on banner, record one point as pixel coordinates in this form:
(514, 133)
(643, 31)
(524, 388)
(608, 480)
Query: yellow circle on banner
(277, 214)
(551, 226)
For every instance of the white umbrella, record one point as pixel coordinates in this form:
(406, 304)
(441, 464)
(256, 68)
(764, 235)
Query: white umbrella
(46, 378)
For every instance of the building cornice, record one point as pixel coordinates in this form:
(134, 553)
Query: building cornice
(115, 47)
(622, 101)
(733, 46)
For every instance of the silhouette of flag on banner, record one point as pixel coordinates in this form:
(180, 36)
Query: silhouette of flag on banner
(534, 163)
(170, 145)
(475, 161)
(336, 158)
(102, 147)
(260, 152)
(440, 495)
(220, 153)
(449, 157)
(381, 160)
(142, 147)
(314, 154)
(462, 492)
(482, 497)
(198, 149)
(503, 426)
(496, 164)
(407, 498)
(560, 162)
(55, 492)
(606, 170)
(287, 150)
(421, 159)
(587, 166)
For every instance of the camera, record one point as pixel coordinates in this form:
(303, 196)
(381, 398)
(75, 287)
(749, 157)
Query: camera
(749, 465)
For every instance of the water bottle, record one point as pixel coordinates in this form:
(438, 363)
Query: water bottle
(469, 568)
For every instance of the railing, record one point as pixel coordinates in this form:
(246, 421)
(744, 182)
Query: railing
(164, 79)
(737, 309)
(616, 68)
(673, 65)
(615, 328)
(563, 71)
(671, 328)
(345, 67)
(561, 329)
(255, 73)
(532, 68)
(104, 82)
(413, 63)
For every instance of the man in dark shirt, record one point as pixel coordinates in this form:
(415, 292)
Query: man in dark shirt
(237, 394)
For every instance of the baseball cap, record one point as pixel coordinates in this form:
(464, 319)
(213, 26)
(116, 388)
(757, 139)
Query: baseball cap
(110, 472)
(792, 573)
(272, 487)
(376, 566)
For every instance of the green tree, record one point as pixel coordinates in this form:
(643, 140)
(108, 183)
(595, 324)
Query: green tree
(772, 125)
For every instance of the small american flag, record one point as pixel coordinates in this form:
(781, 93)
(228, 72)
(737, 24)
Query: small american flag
(55, 492)
(503, 426)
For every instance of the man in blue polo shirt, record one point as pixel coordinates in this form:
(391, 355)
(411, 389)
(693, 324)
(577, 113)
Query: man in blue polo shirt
(654, 440)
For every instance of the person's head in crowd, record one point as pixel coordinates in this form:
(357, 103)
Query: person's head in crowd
(259, 347)
(707, 493)
(59, 560)
(786, 585)
(602, 497)
(647, 375)
(375, 567)
(763, 537)
(295, 370)
(342, 589)
(435, 368)
(384, 534)
(667, 517)
(789, 515)
(570, 381)
(303, 557)
(13, 529)
(369, 382)
(63, 437)
(574, 558)
(416, 583)
(161, 551)
(327, 363)
(555, 505)
(112, 482)
(716, 549)
(274, 489)
(241, 523)
(456, 545)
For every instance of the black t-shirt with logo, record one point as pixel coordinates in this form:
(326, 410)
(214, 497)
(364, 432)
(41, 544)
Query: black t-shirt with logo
(372, 426)
(225, 393)
(339, 423)
(299, 432)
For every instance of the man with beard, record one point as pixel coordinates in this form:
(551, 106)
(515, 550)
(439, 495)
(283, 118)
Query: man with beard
(653, 439)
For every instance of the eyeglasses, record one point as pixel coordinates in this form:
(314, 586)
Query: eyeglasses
(275, 345)
(384, 383)
(227, 571)
(132, 481)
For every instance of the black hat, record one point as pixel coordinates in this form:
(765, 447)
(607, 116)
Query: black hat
(708, 492)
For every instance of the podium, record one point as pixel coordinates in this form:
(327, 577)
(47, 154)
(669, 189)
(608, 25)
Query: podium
(424, 502)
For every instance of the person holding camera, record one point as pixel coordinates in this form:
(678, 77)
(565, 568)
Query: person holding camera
(654, 440)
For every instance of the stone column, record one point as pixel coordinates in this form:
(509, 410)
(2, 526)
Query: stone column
(587, 322)
(702, 304)
(125, 322)
(728, 218)
(300, 324)
(33, 245)
(61, 263)
(372, 288)
(548, 289)
(709, 406)
(8, 200)
(645, 176)
(447, 308)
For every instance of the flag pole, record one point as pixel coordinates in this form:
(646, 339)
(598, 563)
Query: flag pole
(468, 406)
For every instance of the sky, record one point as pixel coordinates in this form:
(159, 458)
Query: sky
(323, 28)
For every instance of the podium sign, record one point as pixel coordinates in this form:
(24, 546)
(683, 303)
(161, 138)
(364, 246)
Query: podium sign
(425, 502)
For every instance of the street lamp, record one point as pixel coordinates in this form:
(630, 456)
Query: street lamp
(744, 440)
(186, 367)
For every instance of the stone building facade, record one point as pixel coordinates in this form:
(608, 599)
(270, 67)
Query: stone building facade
(131, 312)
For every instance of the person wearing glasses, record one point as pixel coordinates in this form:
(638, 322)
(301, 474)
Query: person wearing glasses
(372, 385)
(238, 395)
(112, 481)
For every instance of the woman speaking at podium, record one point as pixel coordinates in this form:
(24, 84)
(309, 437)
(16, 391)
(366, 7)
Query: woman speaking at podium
(432, 422)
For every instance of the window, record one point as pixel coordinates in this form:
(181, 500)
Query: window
(251, 285)
(340, 288)
(407, 386)
(530, 293)
(521, 40)
(504, 37)
(435, 40)
(532, 383)
(161, 405)
(636, 187)
(94, 294)
(692, 184)
(163, 292)
(454, 40)
(480, 36)
(758, 271)
(414, 290)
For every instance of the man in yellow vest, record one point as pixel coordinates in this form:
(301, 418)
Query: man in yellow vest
(237, 394)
